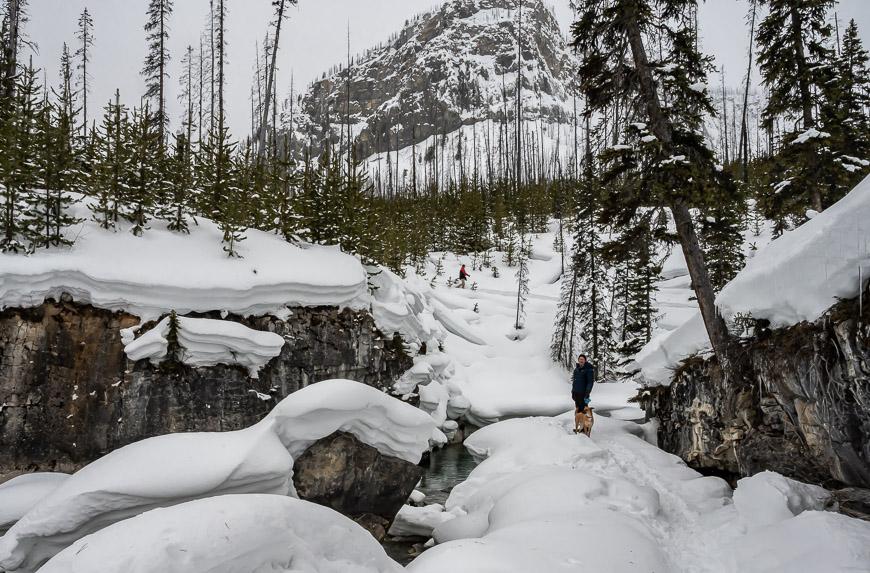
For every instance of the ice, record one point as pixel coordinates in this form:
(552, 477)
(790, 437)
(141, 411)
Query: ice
(229, 534)
(206, 342)
(161, 271)
(172, 469)
(20, 494)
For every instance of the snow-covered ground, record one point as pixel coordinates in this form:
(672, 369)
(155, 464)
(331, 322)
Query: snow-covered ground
(545, 499)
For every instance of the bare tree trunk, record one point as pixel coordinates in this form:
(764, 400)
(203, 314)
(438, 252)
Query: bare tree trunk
(261, 140)
(744, 128)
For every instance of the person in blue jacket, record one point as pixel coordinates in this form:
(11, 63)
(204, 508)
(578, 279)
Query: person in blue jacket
(581, 386)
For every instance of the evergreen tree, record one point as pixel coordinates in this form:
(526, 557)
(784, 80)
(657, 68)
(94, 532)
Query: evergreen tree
(144, 177)
(110, 177)
(522, 282)
(671, 166)
(721, 229)
(156, 66)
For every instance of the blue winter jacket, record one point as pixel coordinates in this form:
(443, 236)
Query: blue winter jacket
(583, 380)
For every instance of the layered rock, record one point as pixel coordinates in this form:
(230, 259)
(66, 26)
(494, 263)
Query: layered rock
(68, 393)
(801, 407)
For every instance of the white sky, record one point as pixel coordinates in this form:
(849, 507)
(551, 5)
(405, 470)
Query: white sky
(312, 40)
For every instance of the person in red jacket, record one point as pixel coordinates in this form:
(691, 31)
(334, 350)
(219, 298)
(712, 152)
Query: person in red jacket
(463, 276)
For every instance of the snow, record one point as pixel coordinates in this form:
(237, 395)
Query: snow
(172, 469)
(795, 278)
(811, 133)
(414, 521)
(229, 534)
(206, 342)
(160, 271)
(20, 494)
(545, 499)
(768, 498)
(401, 306)
(377, 419)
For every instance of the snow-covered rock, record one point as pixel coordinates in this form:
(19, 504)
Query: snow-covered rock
(20, 494)
(795, 278)
(230, 533)
(161, 271)
(768, 498)
(414, 521)
(377, 419)
(168, 470)
(401, 306)
(206, 342)
(156, 472)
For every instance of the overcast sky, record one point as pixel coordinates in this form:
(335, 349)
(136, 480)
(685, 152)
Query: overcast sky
(313, 40)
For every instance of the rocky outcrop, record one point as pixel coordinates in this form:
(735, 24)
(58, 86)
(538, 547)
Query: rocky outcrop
(802, 407)
(453, 66)
(68, 394)
(353, 478)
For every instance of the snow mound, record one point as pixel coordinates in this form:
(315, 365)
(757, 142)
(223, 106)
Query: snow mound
(156, 472)
(206, 342)
(176, 468)
(795, 278)
(377, 419)
(768, 497)
(187, 273)
(20, 494)
(812, 541)
(230, 533)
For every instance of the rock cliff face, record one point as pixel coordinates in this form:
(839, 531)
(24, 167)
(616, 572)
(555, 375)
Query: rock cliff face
(68, 394)
(803, 409)
(454, 66)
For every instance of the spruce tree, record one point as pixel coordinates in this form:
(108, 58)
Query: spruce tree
(110, 178)
(85, 36)
(144, 177)
(671, 166)
(156, 68)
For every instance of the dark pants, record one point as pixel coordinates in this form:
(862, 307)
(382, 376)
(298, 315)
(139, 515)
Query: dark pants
(579, 401)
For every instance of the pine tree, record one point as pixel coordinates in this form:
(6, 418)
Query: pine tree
(110, 178)
(156, 68)
(794, 56)
(144, 177)
(522, 282)
(671, 167)
(721, 233)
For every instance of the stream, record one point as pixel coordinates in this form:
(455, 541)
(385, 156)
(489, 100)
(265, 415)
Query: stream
(447, 467)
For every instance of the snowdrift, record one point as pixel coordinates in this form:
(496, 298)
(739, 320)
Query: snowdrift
(176, 468)
(796, 278)
(20, 494)
(150, 275)
(230, 534)
(206, 342)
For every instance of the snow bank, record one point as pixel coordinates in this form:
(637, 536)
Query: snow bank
(377, 419)
(152, 473)
(768, 497)
(172, 469)
(206, 342)
(150, 275)
(795, 278)
(20, 494)
(231, 533)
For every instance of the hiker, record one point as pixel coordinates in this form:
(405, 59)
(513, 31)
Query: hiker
(581, 386)
(463, 275)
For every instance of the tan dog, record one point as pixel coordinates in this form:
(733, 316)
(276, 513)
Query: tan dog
(583, 421)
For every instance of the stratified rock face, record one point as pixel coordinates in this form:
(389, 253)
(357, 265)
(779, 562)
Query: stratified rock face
(803, 410)
(450, 67)
(68, 394)
(355, 479)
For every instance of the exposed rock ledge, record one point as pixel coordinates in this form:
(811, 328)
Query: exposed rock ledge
(68, 393)
(803, 409)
